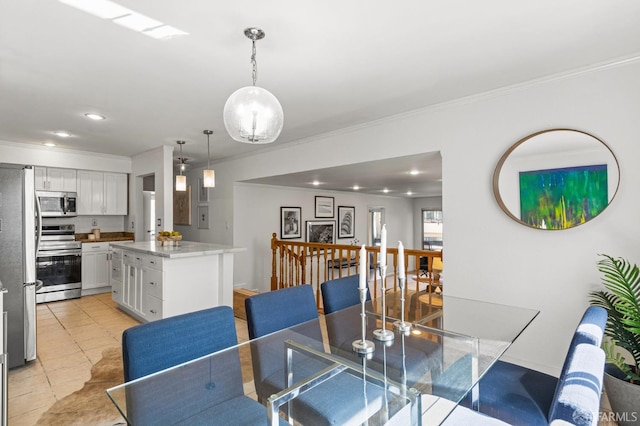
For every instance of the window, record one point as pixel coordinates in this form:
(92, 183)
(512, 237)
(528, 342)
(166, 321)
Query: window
(432, 229)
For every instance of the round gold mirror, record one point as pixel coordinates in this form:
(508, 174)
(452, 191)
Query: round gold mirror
(556, 179)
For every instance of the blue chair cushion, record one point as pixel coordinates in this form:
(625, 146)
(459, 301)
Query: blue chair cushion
(411, 359)
(341, 293)
(293, 310)
(279, 309)
(240, 411)
(465, 416)
(154, 346)
(578, 396)
(591, 326)
(516, 394)
(210, 391)
(590, 330)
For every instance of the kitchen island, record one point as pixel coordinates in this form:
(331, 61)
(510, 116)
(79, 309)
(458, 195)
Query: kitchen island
(151, 281)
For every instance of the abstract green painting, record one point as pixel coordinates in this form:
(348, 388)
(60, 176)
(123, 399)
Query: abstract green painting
(563, 198)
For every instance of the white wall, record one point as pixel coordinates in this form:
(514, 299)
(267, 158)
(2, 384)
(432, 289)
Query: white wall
(489, 256)
(159, 163)
(257, 217)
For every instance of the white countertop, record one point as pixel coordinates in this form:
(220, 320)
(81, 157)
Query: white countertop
(184, 249)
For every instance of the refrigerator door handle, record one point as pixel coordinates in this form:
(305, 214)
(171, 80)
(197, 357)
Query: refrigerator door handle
(30, 321)
(39, 226)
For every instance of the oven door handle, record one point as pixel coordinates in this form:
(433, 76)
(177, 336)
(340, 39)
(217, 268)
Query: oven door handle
(49, 253)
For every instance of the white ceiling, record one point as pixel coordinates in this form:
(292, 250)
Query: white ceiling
(332, 64)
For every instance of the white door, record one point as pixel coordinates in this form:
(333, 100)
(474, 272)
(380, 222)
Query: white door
(149, 211)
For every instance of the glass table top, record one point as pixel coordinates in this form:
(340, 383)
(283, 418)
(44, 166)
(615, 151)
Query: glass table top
(292, 372)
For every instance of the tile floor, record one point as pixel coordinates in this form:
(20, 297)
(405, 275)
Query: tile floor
(71, 337)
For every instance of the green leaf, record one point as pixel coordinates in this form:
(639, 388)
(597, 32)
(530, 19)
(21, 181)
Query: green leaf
(621, 279)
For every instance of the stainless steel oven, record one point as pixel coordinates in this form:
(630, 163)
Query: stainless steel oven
(59, 264)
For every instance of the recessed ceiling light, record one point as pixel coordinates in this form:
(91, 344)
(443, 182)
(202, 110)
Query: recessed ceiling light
(61, 134)
(386, 190)
(315, 183)
(94, 116)
(356, 187)
(49, 144)
(409, 193)
(414, 172)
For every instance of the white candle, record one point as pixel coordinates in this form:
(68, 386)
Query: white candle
(400, 260)
(383, 246)
(363, 268)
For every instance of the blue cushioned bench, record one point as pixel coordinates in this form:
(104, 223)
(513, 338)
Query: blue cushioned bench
(521, 396)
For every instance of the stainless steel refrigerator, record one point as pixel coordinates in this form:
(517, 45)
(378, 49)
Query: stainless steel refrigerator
(19, 224)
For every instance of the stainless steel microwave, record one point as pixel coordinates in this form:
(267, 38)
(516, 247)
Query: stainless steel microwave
(57, 204)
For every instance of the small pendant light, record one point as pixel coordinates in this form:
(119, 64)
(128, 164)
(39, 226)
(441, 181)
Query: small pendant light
(181, 181)
(208, 175)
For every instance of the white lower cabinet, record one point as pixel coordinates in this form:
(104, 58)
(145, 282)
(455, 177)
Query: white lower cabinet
(155, 287)
(115, 276)
(95, 266)
(142, 285)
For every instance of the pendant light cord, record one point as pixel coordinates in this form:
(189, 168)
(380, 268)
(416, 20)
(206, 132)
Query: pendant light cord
(254, 64)
(208, 154)
(181, 157)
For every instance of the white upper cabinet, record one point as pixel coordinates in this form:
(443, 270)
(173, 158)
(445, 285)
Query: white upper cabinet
(115, 193)
(102, 193)
(52, 179)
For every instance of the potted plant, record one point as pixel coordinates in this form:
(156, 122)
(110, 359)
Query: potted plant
(622, 302)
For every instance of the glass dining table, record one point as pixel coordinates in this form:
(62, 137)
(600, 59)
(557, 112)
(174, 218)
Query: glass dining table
(418, 376)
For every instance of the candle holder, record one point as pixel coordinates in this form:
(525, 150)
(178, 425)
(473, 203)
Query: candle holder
(363, 346)
(383, 334)
(401, 325)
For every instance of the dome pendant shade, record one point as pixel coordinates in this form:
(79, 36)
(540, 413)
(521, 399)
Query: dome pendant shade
(181, 183)
(253, 115)
(209, 179)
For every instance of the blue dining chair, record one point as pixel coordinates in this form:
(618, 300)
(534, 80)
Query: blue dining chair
(421, 355)
(292, 312)
(522, 396)
(154, 346)
(341, 293)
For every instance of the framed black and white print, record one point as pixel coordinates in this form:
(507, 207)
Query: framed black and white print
(321, 231)
(290, 220)
(324, 206)
(346, 221)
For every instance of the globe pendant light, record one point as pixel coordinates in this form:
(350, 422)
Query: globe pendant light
(208, 175)
(252, 114)
(181, 181)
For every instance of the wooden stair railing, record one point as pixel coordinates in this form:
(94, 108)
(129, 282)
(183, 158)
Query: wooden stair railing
(295, 263)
